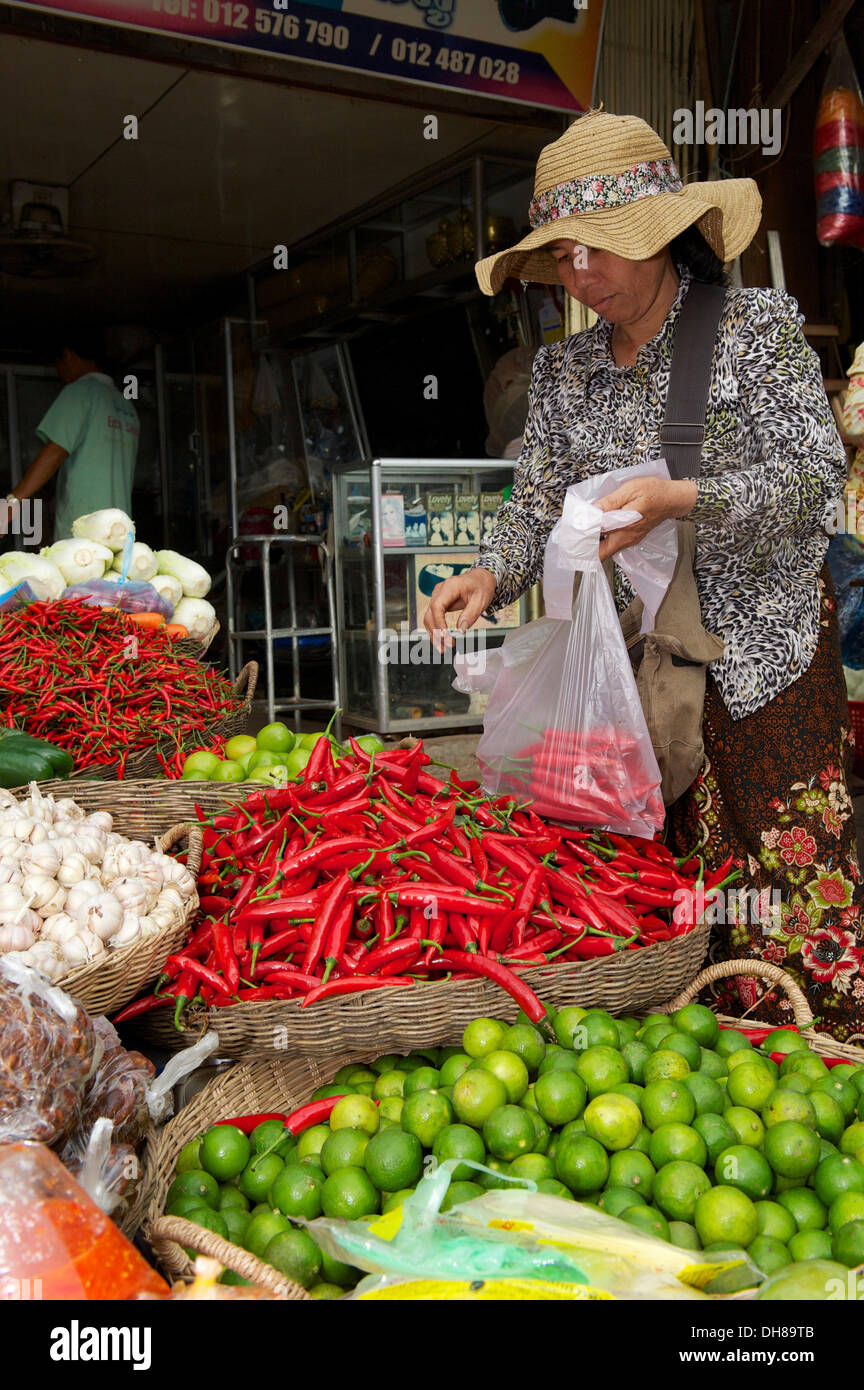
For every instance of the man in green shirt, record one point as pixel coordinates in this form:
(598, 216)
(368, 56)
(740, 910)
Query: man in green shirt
(90, 433)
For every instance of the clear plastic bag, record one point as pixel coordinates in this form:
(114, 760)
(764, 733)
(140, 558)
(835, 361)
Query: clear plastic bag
(564, 726)
(28, 591)
(133, 596)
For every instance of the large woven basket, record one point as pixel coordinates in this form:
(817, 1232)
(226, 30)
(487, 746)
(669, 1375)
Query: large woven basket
(196, 646)
(428, 1014)
(137, 804)
(802, 1014)
(271, 1084)
(146, 762)
(105, 985)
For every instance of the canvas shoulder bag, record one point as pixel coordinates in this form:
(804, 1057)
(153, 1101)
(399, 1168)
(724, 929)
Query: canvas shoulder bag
(671, 662)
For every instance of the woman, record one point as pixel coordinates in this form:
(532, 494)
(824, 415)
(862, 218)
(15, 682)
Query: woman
(612, 222)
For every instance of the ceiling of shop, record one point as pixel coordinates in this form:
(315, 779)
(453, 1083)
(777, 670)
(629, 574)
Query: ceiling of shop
(223, 169)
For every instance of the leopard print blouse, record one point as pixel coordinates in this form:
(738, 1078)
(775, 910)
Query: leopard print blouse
(773, 471)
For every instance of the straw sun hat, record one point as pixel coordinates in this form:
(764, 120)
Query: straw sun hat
(610, 183)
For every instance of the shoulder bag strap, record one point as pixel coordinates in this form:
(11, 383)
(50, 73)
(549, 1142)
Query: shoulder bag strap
(682, 433)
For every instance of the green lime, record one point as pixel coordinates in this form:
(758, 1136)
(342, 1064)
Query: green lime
(852, 1138)
(181, 1206)
(829, 1116)
(792, 1149)
(673, 1142)
(731, 1040)
(325, 1292)
(836, 1174)
(454, 1066)
(557, 1059)
(582, 1165)
(653, 1034)
(268, 1133)
(349, 1193)
(706, 1093)
(642, 1142)
(359, 1074)
(560, 1096)
(597, 1029)
(232, 1197)
(312, 1141)
(259, 1176)
(613, 1120)
(805, 1063)
(808, 1282)
(426, 1113)
(750, 1085)
(510, 1069)
(355, 1112)
(225, 1152)
(849, 1206)
(542, 1133)
(684, 1235)
(745, 1168)
(390, 1083)
(600, 1067)
(459, 1141)
(842, 1091)
(189, 1156)
(229, 771)
(807, 1210)
(532, 1167)
(526, 1042)
(797, 1081)
(459, 1192)
(261, 1230)
(494, 1179)
(627, 1029)
(336, 1088)
(627, 1088)
(211, 1221)
(295, 1254)
(649, 1220)
(678, 1187)
(687, 1046)
(629, 1168)
(810, 1245)
(345, 1148)
(394, 1159)
(390, 1110)
(275, 738)
(697, 1022)
(717, 1133)
(712, 1065)
(483, 1035)
(667, 1102)
(665, 1065)
(768, 1254)
(784, 1040)
(567, 1021)
(553, 1188)
(476, 1094)
(788, 1105)
(775, 1221)
(617, 1199)
(201, 766)
(848, 1244)
(636, 1054)
(746, 1124)
(726, 1213)
(236, 1224)
(195, 1182)
(423, 1079)
(508, 1132)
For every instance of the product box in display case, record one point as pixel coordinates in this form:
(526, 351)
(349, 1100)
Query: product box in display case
(490, 502)
(467, 518)
(393, 679)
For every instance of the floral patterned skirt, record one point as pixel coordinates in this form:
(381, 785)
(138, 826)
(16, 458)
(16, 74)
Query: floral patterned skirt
(773, 794)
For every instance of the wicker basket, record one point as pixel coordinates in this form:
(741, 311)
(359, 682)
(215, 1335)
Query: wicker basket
(427, 1014)
(196, 646)
(244, 1090)
(172, 1233)
(137, 805)
(105, 985)
(822, 1043)
(146, 762)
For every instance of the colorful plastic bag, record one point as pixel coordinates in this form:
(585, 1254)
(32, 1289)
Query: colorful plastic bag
(838, 154)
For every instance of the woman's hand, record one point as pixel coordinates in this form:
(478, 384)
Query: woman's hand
(657, 499)
(471, 592)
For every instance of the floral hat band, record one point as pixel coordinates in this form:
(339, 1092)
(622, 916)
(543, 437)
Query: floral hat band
(602, 191)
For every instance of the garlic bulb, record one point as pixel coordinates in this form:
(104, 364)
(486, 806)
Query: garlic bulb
(101, 915)
(12, 848)
(23, 827)
(54, 904)
(178, 874)
(21, 917)
(70, 810)
(48, 962)
(39, 889)
(73, 870)
(91, 843)
(63, 846)
(150, 869)
(15, 938)
(102, 820)
(81, 948)
(134, 894)
(42, 859)
(81, 893)
(163, 916)
(131, 930)
(59, 928)
(9, 871)
(10, 898)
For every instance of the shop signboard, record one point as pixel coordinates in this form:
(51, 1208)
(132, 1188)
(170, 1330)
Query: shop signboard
(537, 52)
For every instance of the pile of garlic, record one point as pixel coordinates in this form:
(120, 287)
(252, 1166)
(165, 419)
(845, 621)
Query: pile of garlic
(72, 890)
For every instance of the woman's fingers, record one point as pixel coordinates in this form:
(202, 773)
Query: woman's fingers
(471, 592)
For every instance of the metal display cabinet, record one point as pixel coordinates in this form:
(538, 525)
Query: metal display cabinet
(390, 677)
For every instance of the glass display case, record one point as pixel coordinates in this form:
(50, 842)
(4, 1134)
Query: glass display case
(401, 526)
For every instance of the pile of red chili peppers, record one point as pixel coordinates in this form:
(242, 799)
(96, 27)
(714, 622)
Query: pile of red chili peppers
(97, 684)
(372, 873)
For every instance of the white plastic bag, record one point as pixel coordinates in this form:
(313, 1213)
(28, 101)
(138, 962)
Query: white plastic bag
(564, 726)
